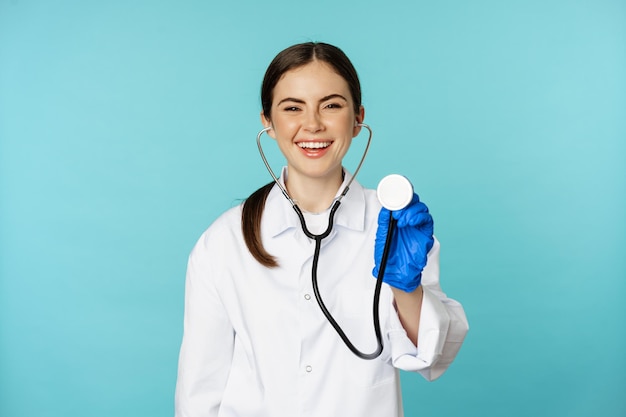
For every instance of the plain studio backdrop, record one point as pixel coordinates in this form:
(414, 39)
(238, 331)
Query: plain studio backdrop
(126, 128)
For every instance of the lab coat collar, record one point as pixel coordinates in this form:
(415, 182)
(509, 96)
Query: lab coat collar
(280, 216)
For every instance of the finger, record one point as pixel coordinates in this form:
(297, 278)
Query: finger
(407, 215)
(414, 201)
(420, 219)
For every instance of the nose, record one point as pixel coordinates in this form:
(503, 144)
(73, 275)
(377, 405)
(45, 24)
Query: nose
(313, 122)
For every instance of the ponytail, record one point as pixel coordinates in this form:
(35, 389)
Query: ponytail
(251, 215)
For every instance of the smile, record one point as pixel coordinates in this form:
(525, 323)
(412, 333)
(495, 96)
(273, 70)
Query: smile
(314, 145)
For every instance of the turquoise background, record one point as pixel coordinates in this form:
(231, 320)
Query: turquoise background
(127, 127)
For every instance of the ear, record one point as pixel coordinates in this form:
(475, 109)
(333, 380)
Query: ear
(358, 119)
(268, 123)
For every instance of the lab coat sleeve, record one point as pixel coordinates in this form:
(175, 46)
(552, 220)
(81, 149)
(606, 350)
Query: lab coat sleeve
(443, 326)
(208, 339)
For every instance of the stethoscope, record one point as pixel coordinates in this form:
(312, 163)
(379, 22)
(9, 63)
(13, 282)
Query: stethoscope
(393, 193)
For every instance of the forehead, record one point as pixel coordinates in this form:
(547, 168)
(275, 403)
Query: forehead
(313, 80)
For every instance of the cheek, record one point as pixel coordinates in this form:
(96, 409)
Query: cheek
(283, 126)
(348, 123)
(348, 128)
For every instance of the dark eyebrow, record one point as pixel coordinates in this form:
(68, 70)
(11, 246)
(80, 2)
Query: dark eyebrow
(331, 96)
(295, 100)
(300, 101)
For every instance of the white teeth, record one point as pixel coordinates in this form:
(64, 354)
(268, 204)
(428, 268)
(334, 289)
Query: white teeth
(314, 145)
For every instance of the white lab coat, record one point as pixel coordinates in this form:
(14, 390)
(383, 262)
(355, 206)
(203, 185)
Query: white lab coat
(256, 344)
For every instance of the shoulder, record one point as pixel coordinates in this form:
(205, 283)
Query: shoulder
(225, 230)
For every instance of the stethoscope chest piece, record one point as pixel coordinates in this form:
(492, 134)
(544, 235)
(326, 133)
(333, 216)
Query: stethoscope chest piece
(394, 192)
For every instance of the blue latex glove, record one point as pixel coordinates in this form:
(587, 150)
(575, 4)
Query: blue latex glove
(411, 242)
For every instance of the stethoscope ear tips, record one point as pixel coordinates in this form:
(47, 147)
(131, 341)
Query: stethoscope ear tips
(395, 192)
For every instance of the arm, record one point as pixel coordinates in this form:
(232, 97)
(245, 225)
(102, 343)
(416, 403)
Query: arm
(442, 327)
(429, 328)
(204, 364)
(409, 307)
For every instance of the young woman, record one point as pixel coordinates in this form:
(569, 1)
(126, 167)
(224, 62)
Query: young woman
(255, 341)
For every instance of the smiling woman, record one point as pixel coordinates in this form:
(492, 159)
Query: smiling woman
(313, 122)
(254, 342)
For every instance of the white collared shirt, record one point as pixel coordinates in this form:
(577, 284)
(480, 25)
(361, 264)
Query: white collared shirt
(256, 343)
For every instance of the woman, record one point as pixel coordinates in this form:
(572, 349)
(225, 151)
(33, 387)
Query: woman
(255, 341)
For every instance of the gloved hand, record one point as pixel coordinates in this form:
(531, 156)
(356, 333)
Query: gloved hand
(410, 243)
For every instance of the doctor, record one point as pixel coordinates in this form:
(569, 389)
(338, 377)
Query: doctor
(255, 342)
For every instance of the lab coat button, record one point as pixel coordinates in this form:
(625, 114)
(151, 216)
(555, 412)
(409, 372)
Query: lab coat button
(309, 368)
(307, 296)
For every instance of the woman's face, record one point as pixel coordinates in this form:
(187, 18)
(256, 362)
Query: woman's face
(313, 120)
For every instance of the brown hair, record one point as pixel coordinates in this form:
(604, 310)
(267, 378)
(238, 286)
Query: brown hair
(293, 57)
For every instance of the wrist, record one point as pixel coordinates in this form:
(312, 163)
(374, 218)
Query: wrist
(409, 307)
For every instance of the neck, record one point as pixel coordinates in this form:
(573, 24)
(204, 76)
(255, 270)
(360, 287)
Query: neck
(314, 194)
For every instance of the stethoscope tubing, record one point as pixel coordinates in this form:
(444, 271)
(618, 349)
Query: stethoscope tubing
(375, 303)
(318, 244)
